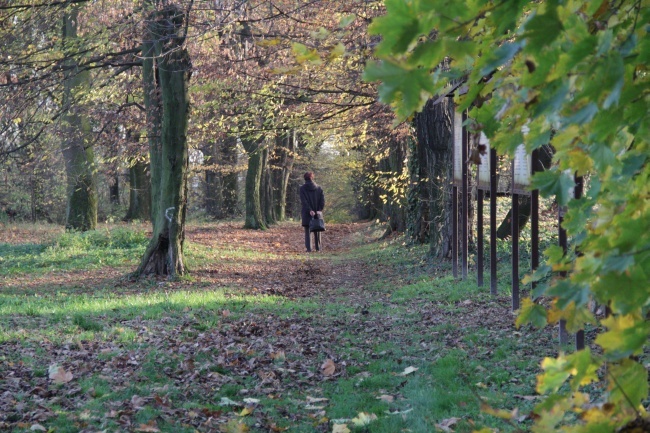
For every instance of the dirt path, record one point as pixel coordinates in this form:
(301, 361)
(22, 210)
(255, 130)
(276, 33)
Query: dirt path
(291, 271)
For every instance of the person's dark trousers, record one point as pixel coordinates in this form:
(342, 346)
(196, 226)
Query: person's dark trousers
(317, 243)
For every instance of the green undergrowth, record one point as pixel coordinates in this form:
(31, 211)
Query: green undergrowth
(74, 250)
(413, 347)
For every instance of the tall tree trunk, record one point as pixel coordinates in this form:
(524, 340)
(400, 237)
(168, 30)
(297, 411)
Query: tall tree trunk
(77, 149)
(284, 157)
(169, 162)
(139, 193)
(253, 218)
(229, 181)
(434, 129)
(393, 208)
(267, 186)
(114, 190)
(213, 188)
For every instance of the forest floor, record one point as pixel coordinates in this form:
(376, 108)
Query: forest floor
(368, 335)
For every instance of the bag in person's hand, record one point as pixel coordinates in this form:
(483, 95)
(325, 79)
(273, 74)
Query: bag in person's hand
(317, 223)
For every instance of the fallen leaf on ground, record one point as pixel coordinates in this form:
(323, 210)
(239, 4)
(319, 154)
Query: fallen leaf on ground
(446, 424)
(278, 356)
(328, 368)
(386, 398)
(234, 426)
(225, 401)
(37, 427)
(363, 419)
(58, 375)
(149, 427)
(247, 410)
(340, 428)
(137, 402)
(499, 413)
(408, 370)
(316, 400)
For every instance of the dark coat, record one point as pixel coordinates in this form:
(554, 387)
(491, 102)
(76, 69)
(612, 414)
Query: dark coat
(310, 193)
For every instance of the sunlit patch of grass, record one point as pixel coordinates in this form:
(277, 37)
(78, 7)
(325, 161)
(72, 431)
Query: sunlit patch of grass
(74, 250)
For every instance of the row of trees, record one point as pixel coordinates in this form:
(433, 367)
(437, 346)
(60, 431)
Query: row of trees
(224, 103)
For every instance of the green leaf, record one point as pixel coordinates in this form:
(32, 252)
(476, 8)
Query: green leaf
(625, 337)
(629, 383)
(399, 28)
(532, 313)
(568, 292)
(585, 370)
(542, 30)
(554, 183)
(499, 57)
(556, 372)
(407, 89)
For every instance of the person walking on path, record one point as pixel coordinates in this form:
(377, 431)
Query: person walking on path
(312, 199)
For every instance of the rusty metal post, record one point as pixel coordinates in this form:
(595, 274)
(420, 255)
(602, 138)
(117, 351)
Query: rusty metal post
(493, 221)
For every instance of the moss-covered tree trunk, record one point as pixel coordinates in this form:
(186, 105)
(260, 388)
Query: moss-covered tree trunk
(431, 205)
(77, 149)
(268, 186)
(253, 218)
(139, 192)
(169, 157)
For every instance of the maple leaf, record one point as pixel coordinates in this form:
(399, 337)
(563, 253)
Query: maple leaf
(58, 375)
(363, 419)
(328, 368)
(340, 428)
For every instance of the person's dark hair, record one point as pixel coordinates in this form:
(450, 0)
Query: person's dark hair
(309, 176)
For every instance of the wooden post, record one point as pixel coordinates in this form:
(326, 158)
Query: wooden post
(515, 251)
(479, 238)
(454, 229)
(465, 199)
(493, 221)
(577, 191)
(534, 219)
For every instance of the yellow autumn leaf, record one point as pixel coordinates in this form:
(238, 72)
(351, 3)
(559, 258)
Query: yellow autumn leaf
(363, 419)
(340, 428)
(499, 413)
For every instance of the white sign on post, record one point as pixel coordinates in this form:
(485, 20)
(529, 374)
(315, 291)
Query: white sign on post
(522, 167)
(484, 166)
(458, 147)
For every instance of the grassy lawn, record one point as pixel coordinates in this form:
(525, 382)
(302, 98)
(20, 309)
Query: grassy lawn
(260, 337)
